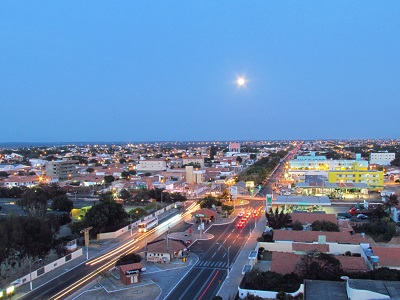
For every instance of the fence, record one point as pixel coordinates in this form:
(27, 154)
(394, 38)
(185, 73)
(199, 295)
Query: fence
(47, 268)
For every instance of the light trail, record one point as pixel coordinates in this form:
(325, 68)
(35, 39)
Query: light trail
(123, 249)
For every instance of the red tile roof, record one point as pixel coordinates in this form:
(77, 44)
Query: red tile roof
(162, 246)
(128, 267)
(207, 212)
(306, 236)
(388, 256)
(310, 247)
(285, 263)
(352, 263)
(303, 218)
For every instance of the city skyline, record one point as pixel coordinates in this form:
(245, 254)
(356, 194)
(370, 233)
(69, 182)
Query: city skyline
(156, 71)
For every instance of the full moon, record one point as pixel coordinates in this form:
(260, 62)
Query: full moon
(241, 81)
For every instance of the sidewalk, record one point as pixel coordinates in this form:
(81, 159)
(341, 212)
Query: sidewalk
(229, 288)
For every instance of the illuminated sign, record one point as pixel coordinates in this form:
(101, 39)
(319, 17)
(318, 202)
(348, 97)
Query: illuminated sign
(249, 184)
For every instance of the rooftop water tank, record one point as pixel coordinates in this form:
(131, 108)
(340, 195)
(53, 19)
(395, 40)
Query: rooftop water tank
(374, 259)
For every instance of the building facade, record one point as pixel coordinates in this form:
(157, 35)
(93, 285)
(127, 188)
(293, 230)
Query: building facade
(62, 169)
(381, 158)
(151, 165)
(194, 160)
(374, 179)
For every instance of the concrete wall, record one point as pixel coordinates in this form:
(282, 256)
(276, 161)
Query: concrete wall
(277, 247)
(266, 294)
(342, 248)
(48, 268)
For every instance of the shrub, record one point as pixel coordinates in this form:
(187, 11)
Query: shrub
(297, 226)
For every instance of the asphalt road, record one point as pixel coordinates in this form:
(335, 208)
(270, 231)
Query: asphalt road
(206, 277)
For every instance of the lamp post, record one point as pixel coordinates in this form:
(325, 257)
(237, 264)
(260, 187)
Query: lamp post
(30, 272)
(130, 221)
(227, 250)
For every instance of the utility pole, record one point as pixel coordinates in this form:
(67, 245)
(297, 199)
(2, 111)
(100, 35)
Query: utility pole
(86, 235)
(130, 221)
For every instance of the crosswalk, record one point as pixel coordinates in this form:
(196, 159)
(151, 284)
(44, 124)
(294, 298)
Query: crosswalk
(211, 264)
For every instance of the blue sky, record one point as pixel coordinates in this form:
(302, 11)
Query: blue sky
(166, 70)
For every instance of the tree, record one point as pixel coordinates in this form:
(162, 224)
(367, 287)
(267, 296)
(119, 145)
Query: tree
(253, 156)
(34, 202)
(319, 266)
(106, 216)
(213, 151)
(124, 194)
(125, 174)
(324, 226)
(4, 174)
(390, 202)
(137, 213)
(177, 197)
(278, 220)
(227, 208)
(378, 213)
(271, 281)
(297, 225)
(382, 230)
(225, 195)
(108, 179)
(107, 196)
(209, 202)
(25, 238)
(90, 170)
(395, 162)
(62, 203)
(122, 160)
(130, 258)
(239, 159)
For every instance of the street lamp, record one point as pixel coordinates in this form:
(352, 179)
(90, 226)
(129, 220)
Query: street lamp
(130, 221)
(30, 271)
(227, 250)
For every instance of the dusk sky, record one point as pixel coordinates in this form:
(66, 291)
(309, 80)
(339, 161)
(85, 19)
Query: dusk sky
(165, 70)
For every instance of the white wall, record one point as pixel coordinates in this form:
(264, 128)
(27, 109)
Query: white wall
(266, 294)
(277, 247)
(50, 267)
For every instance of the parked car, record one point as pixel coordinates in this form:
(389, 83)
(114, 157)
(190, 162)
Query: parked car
(362, 217)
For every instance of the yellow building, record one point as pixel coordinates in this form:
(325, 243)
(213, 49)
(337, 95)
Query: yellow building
(374, 179)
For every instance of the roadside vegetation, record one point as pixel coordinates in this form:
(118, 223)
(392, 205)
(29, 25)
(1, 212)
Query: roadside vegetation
(262, 168)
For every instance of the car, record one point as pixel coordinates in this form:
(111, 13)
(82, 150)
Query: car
(241, 214)
(362, 217)
(240, 224)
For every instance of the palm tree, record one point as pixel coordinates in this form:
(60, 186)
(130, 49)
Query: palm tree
(278, 220)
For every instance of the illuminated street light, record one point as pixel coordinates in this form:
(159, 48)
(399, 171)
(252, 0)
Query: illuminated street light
(30, 272)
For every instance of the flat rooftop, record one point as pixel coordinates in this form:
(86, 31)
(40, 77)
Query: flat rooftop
(302, 200)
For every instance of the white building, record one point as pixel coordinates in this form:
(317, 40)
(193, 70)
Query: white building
(151, 165)
(381, 158)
